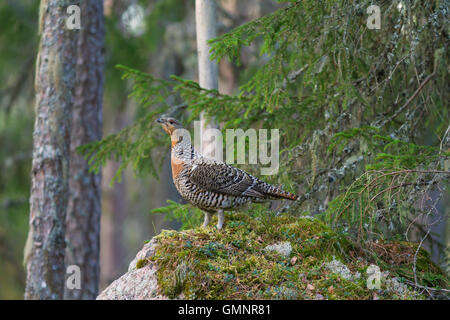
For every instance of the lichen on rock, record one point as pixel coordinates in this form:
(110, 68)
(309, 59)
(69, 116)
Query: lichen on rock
(282, 248)
(338, 267)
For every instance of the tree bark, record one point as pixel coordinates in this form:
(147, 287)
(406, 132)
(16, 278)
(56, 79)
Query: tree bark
(84, 207)
(206, 29)
(54, 83)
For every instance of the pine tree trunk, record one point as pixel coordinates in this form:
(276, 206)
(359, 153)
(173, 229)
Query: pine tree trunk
(55, 79)
(84, 207)
(205, 19)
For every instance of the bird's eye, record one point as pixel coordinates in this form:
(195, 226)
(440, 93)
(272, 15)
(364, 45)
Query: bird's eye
(171, 122)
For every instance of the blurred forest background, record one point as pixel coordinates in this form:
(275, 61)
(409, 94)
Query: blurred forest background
(352, 102)
(155, 36)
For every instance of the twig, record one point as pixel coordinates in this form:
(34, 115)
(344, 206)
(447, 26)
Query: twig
(443, 138)
(398, 186)
(425, 287)
(402, 108)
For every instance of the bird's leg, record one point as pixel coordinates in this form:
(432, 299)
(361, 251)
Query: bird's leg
(220, 219)
(207, 219)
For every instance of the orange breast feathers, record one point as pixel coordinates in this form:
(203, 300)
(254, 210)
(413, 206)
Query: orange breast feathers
(177, 164)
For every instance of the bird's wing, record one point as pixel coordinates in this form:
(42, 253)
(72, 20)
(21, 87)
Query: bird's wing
(223, 178)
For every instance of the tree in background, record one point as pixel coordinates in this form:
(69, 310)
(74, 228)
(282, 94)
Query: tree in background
(54, 84)
(84, 206)
(208, 71)
(18, 46)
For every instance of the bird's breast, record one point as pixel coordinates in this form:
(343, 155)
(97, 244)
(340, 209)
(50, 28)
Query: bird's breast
(177, 166)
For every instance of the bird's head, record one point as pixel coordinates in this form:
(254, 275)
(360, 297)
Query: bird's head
(169, 124)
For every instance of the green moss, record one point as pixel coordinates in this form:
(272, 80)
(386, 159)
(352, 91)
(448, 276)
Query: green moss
(205, 263)
(141, 263)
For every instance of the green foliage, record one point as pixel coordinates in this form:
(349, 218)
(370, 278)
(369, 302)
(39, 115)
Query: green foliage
(405, 155)
(383, 204)
(389, 153)
(340, 139)
(130, 146)
(189, 216)
(133, 145)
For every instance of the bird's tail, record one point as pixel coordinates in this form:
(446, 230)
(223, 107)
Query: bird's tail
(278, 193)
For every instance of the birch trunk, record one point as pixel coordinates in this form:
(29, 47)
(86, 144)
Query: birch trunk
(206, 29)
(84, 207)
(54, 83)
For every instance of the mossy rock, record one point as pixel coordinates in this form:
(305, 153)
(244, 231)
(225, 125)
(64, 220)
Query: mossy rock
(234, 263)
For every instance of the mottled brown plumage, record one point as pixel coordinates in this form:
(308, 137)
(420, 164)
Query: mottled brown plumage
(211, 185)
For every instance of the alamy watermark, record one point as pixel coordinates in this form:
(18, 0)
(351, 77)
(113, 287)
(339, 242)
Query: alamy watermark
(373, 277)
(73, 22)
(374, 19)
(74, 277)
(262, 146)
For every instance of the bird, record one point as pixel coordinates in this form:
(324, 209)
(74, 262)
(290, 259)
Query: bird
(210, 185)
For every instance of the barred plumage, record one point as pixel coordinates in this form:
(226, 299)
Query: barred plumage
(210, 185)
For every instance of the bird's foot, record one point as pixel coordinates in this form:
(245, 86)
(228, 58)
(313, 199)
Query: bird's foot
(220, 217)
(207, 219)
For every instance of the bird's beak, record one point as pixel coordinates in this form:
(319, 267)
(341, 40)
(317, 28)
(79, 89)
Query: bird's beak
(159, 120)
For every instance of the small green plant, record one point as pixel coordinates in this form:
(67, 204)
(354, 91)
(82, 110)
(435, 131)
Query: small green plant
(189, 216)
